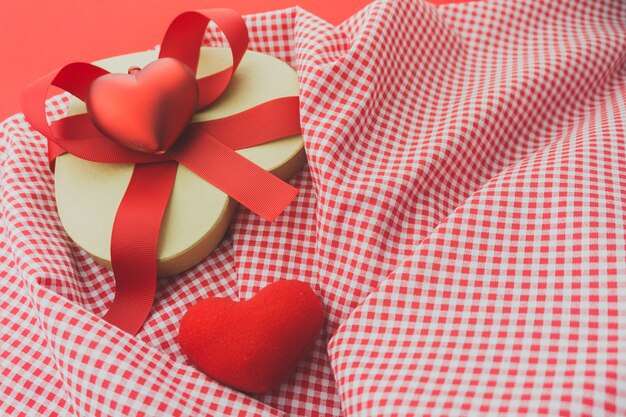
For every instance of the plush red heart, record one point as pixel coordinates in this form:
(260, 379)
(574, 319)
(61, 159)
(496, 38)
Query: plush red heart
(253, 345)
(148, 109)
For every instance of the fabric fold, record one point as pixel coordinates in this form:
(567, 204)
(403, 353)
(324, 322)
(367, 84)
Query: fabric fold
(461, 219)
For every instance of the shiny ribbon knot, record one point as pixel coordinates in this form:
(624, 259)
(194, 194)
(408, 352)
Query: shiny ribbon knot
(206, 148)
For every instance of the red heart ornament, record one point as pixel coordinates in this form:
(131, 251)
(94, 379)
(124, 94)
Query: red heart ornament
(145, 110)
(253, 345)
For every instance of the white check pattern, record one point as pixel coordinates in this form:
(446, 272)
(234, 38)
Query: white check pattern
(463, 222)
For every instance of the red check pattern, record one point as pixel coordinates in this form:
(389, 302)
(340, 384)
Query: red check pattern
(463, 222)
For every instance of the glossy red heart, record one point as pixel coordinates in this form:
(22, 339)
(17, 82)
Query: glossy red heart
(253, 345)
(146, 110)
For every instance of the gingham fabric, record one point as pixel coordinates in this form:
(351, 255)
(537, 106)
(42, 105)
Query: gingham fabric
(462, 220)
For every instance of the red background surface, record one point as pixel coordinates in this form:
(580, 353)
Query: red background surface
(37, 36)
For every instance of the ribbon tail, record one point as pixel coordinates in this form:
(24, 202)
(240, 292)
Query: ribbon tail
(134, 243)
(249, 184)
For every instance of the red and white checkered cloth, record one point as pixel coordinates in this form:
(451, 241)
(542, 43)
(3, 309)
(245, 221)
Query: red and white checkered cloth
(463, 222)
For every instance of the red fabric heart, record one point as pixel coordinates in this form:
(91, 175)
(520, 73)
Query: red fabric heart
(146, 110)
(253, 345)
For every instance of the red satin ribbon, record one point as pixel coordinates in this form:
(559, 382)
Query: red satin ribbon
(206, 148)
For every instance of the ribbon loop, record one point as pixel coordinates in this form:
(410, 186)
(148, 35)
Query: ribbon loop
(183, 40)
(74, 78)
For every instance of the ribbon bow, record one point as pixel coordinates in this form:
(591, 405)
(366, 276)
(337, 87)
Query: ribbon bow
(206, 148)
